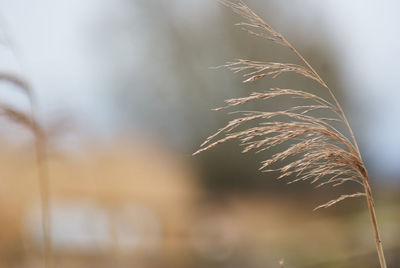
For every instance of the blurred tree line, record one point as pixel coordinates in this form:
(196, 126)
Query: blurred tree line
(162, 84)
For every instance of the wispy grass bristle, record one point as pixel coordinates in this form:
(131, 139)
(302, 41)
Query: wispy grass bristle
(322, 154)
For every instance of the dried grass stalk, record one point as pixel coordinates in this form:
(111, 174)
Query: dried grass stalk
(30, 122)
(324, 154)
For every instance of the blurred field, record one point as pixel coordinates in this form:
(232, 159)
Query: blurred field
(142, 205)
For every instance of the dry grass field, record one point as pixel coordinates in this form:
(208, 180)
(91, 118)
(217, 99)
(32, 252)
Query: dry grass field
(141, 205)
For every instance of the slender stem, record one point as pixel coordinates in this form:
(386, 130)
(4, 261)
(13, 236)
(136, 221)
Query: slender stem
(42, 168)
(367, 188)
(45, 196)
(371, 208)
(44, 186)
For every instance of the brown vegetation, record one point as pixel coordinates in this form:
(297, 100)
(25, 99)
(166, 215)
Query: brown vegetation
(324, 154)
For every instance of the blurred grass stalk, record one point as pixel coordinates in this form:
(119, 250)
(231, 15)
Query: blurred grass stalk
(31, 123)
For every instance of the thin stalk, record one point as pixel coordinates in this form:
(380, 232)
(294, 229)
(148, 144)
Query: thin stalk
(371, 208)
(367, 188)
(44, 186)
(41, 162)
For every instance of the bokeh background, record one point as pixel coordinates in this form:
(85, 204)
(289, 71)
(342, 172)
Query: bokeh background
(124, 91)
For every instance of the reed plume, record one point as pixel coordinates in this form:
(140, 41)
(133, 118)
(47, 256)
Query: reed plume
(29, 121)
(325, 155)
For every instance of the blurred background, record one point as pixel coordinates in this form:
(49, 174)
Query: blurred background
(124, 92)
